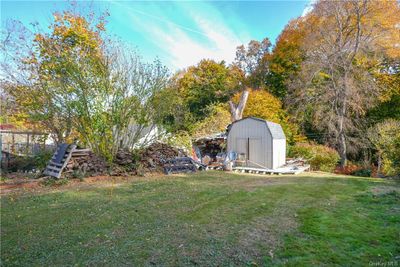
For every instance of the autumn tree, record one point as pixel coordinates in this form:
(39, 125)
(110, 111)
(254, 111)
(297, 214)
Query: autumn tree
(388, 77)
(264, 105)
(385, 136)
(81, 85)
(216, 122)
(252, 60)
(336, 83)
(206, 84)
(46, 67)
(286, 58)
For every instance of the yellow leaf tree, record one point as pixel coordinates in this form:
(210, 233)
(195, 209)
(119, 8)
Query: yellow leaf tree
(264, 105)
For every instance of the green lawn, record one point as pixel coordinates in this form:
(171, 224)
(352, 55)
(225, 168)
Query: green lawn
(206, 219)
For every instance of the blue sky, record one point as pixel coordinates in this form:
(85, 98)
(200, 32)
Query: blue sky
(180, 33)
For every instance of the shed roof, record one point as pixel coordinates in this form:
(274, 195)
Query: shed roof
(275, 128)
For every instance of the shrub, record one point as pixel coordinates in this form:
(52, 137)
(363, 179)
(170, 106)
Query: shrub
(363, 173)
(217, 121)
(385, 137)
(181, 139)
(28, 163)
(320, 157)
(42, 158)
(363, 170)
(349, 169)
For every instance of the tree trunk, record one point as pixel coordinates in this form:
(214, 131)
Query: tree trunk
(342, 149)
(342, 115)
(378, 171)
(237, 110)
(342, 134)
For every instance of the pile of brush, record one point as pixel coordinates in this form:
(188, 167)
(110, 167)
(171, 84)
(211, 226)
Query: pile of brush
(153, 157)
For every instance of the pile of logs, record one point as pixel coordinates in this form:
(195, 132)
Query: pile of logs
(85, 161)
(150, 159)
(153, 158)
(124, 158)
(211, 145)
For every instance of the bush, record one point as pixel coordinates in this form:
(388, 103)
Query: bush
(319, 157)
(181, 139)
(217, 121)
(363, 173)
(349, 169)
(28, 163)
(363, 170)
(41, 159)
(385, 137)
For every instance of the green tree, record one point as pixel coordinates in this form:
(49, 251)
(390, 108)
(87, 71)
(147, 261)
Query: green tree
(204, 85)
(336, 81)
(81, 85)
(385, 136)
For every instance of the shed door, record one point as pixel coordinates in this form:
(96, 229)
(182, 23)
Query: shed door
(256, 152)
(241, 146)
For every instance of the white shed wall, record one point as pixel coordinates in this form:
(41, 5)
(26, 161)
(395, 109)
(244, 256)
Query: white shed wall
(264, 150)
(260, 141)
(279, 152)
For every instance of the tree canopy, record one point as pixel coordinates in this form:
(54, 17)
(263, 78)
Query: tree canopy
(331, 74)
(336, 81)
(81, 86)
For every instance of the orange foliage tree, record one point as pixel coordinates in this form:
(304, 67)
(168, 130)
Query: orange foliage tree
(264, 105)
(343, 50)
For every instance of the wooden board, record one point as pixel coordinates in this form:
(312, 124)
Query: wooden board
(54, 168)
(283, 170)
(182, 165)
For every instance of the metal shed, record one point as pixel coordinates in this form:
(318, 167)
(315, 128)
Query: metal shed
(262, 143)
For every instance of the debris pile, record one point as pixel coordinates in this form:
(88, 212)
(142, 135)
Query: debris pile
(150, 159)
(85, 161)
(211, 145)
(153, 158)
(124, 158)
(182, 165)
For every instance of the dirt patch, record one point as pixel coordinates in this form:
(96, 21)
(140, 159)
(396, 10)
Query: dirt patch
(264, 236)
(18, 183)
(24, 185)
(383, 190)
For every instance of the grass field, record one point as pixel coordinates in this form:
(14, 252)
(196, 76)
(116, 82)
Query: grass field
(206, 219)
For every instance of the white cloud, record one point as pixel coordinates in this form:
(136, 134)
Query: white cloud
(309, 7)
(208, 37)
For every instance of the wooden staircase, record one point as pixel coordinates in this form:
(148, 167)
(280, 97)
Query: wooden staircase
(59, 160)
